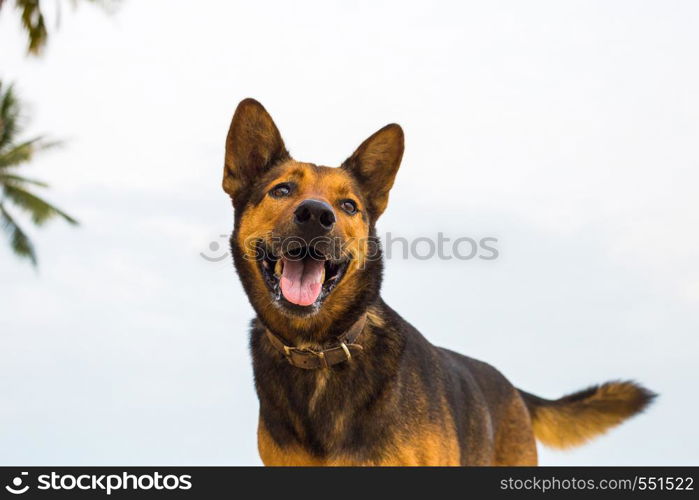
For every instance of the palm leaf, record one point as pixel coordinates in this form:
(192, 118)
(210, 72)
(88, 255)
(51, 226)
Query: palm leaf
(18, 180)
(19, 241)
(34, 25)
(39, 210)
(24, 152)
(14, 153)
(9, 115)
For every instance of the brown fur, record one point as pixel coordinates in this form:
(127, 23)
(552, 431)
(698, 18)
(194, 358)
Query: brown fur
(577, 418)
(324, 183)
(401, 401)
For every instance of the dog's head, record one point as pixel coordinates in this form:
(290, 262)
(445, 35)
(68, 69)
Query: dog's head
(304, 243)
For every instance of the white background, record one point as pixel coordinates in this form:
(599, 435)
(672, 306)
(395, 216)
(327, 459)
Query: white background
(568, 130)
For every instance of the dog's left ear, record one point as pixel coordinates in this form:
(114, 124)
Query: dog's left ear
(253, 145)
(375, 163)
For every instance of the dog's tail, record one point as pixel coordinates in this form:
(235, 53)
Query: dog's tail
(574, 419)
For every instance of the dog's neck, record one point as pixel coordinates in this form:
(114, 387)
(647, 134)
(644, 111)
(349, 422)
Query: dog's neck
(309, 358)
(314, 335)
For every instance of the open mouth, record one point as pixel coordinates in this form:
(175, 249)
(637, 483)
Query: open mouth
(301, 277)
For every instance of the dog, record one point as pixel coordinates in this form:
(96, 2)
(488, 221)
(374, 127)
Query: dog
(341, 378)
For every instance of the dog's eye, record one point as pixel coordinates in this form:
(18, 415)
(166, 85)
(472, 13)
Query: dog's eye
(280, 190)
(349, 206)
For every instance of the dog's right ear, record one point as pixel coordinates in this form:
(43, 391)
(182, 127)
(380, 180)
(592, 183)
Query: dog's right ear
(253, 146)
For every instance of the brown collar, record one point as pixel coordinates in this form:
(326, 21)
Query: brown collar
(312, 360)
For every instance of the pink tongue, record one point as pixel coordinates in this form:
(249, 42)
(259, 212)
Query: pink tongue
(301, 280)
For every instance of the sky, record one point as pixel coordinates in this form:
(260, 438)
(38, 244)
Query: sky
(566, 130)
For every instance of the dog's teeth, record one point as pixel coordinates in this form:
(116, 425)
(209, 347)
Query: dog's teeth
(278, 268)
(322, 275)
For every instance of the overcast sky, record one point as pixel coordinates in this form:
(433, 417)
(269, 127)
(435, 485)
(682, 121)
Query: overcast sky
(567, 130)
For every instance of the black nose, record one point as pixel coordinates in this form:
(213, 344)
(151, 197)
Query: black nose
(315, 215)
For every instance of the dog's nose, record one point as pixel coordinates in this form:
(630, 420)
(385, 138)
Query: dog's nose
(315, 216)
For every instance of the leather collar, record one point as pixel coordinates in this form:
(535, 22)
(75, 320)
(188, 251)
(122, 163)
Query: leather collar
(309, 359)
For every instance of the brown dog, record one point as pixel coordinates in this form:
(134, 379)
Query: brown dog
(343, 379)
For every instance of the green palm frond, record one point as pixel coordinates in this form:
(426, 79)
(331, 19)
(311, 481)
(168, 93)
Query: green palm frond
(9, 115)
(13, 186)
(19, 241)
(34, 24)
(6, 178)
(39, 210)
(21, 153)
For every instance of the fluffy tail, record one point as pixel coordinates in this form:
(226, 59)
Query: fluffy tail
(576, 418)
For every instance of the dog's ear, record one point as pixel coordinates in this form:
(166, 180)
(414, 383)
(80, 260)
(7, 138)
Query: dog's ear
(375, 163)
(253, 145)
